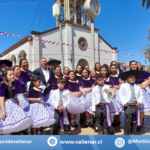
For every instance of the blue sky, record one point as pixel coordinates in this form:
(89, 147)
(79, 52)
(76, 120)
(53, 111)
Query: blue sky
(122, 23)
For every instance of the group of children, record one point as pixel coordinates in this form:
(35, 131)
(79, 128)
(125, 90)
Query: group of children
(101, 94)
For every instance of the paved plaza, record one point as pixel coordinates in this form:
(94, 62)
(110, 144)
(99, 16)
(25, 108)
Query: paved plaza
(119, 130)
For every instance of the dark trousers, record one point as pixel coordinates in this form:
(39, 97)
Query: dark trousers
(56, 125)
(130, 119)
(101, 119)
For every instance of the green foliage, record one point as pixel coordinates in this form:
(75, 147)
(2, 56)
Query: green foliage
(148, 69)
(146, 2)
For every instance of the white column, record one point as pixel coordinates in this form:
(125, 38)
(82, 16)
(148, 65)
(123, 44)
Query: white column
(36, 54)
(68, 49)
(75, 17)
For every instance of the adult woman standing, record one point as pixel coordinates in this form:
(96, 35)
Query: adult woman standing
(98, 68)
(25, 73)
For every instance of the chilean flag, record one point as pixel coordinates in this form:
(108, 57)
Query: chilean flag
(53, 43)
(1, 32)
(28, 38)
(6, 34)
(37, 39)
(63, 43)
(45, 41)
(57, 43)
(18, 35)
(67, 44)
(32, 39)
(41, 40)
(49, 41)
(12, 34)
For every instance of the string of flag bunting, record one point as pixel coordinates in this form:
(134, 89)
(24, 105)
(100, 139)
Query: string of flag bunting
(57, 43)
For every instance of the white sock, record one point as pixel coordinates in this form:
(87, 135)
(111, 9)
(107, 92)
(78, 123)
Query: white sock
(91, 120)
(72, 122)
(87, 120)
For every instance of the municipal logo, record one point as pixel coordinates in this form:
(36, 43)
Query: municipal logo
(119, 142)
(52, 141)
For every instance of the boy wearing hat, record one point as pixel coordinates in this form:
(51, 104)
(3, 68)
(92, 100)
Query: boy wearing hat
(131, 97)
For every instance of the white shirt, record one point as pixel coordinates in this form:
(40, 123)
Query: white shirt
(42, 86)
(46, 74)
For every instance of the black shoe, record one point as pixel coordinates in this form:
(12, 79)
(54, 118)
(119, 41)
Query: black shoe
(116, 123)
(91, 124)
(73, 125)
(139, 128)
(87, 124)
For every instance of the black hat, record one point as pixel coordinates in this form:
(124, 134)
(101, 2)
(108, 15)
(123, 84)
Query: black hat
(36, 74)
(126, 74)
(7, 62)
(52, 61)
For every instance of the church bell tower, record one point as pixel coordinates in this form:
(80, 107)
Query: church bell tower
(73, 10)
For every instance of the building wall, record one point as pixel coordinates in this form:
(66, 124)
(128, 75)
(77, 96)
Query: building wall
(35, 50)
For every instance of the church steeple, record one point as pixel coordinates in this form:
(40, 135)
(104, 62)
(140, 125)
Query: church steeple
(73, 10)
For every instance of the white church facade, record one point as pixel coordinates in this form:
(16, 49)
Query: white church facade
(75, 31)
(34, 50)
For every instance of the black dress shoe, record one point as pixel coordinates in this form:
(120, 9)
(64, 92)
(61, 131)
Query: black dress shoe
(116, 123)
(75, 124)
(87, 124)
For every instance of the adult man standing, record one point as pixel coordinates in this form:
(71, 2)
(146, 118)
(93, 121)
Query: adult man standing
(45, 72)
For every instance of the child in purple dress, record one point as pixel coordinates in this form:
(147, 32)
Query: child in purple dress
(114, 82)
(75, 107)
(119, 71)
(13, 118)
(53, 82)
(20, 88)
(41, 114)
(78, 71)
(143, 82)
(86, 85)
(97, 67)
(93, 74)
(66, 72)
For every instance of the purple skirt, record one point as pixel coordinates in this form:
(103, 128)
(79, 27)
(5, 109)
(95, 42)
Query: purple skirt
(16, 119)
(75, 106)
(115, 105)
(146, 101)
(23, 100)
(48, 99)
(86, 101)
(41, 114)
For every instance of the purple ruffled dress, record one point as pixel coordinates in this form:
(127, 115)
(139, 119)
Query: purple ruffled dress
(41, 114)
(87, 100)
(48, 98)
(20, 90)
(16, 119)
(115, 104)
(146, 92)
(75, 106)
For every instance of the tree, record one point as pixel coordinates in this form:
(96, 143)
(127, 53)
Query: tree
(146, 49)
(146, 2)
(148, 69)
